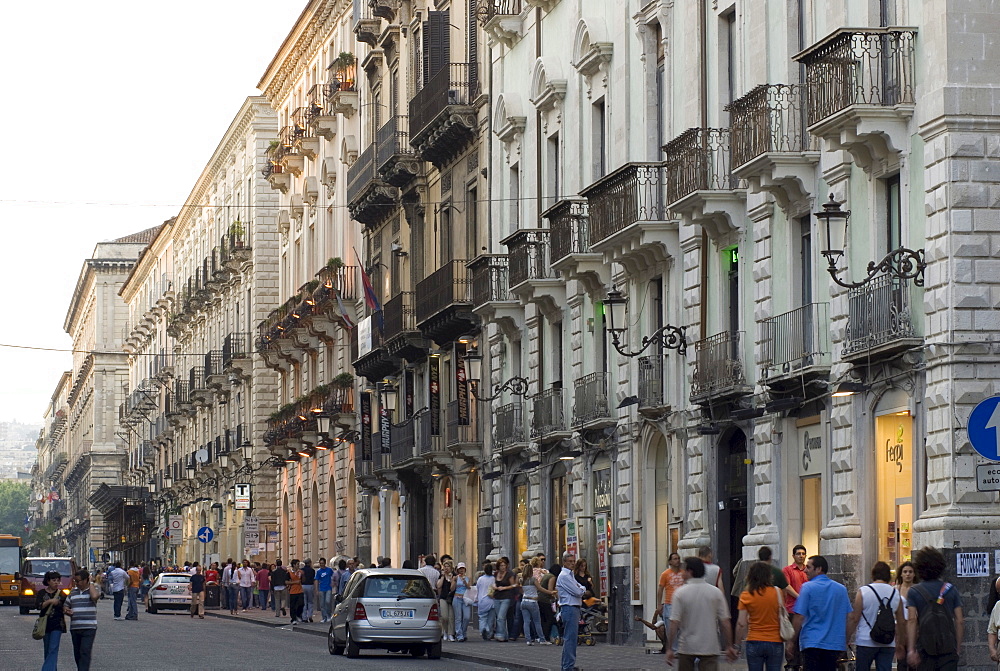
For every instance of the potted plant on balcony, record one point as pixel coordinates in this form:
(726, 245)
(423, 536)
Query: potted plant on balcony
(343, 65)
(343, 381)
(335, 263)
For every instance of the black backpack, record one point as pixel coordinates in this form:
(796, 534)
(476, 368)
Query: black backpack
(936, 627)
(884, 629)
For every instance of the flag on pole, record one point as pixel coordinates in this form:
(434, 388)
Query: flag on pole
(343, 311)
(53, 495)
(27, 524)
(371, 298)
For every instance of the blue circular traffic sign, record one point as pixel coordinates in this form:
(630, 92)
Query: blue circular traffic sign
(984, 428)
(205, 534)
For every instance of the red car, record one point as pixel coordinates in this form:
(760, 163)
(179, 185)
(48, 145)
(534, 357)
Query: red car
(35, 569)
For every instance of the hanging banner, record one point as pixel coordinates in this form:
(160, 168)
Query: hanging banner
(408, 377)
(572, 542)
(601, 545)
(434, 367)
(383, 425)
(461, 386)
(366, 426)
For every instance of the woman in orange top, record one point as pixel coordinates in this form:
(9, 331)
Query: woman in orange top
(296, 600)
(758, 622)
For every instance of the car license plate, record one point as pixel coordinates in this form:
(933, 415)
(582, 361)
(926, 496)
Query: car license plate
(397, 613)
(177, 590)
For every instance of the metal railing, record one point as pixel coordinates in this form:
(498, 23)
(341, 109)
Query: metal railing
(300, 122)
(490, 281)
(361, 174)
(453, 84)
(528, 255)
(547, 414)
(286, 143)
(590, 398)
(196, 378)
(652, 390)
(868, 66)
(698, 160)
(448, 285)
(402, 442)
(490, 9)
(569, 225)
(342, 78)
(316, 97)
(630, 194)
(235, 346)
(457, 433)
(795, 339)
(392, 139)
(878, 313)
(508, 424)
(334, 281)
(426, 440)
(399, 315)
(213, 362)
(182, 389)
(718, 363)
(770, 118)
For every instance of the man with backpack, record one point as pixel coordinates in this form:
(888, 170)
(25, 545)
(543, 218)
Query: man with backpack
(878, 611)
(935, 624)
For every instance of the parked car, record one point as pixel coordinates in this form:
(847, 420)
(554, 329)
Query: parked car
(35, 569)
(169, 591)
(388, 608)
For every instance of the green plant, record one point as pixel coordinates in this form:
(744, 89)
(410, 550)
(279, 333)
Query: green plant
(344, 60)
(322, 391)
(335, 263)
(236, 228)
(343, 381)
(312, 285)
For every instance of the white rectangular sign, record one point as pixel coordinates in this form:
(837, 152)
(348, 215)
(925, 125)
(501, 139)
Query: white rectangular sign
(251, 524)
(242, 496)
(250, 539)
(973, 564)
(175, 527)
(988, 477)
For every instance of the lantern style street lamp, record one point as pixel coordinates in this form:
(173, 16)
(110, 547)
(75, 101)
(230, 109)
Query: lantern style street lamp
(668, 337)
(517, 385)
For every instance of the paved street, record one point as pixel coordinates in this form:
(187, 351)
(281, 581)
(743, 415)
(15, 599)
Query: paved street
(175, 641)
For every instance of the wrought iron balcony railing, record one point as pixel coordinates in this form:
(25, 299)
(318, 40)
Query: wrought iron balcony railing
(426, 440)
(867, 66)
(402, 442)
(454, 84)
(878, 314)
(342, 78)
(487, 10)
(235, 346)
(796, 339)
(449, 285)
(569, 225)
(770, 118)
(490, 279)
(392, 140)
(698, 160)
(718, 364)
(508, 425)
(400, 317)
(528, 255)
(361, 174)
(590, 399)
(300, 123)
(630, 194)
(213, 363)
(455, 431)
(196, 378)
(547, 416)
(652, 381)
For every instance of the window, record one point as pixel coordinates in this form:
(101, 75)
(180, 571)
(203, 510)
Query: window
(514, 203)
(471, 224)
(728, 60)
(599, 139)
(893, 220)
(552, 161)
(805, 260)
(444, 233)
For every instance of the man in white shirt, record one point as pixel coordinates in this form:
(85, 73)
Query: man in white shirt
(119, 579)
(570, 594)
(431, 573)
(698, 611)
(713, 572)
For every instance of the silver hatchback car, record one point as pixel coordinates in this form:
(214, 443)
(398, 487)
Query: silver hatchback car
(387, 608)
(169, 590)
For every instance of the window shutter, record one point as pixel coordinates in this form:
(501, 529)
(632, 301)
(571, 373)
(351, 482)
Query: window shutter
(473, 52)
(437, 52)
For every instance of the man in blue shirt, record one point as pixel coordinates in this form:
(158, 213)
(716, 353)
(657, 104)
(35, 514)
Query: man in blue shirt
(820, 619)
(324, 584)
(570, 595)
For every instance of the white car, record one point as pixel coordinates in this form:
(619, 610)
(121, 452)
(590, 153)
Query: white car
(169, 591)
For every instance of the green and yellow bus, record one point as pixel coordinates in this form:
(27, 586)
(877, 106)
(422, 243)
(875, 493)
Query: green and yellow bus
(10, 565)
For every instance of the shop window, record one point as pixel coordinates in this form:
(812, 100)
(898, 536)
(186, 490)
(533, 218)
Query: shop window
(559, 510)
(812, 516)
(520, 519)
(894, 486)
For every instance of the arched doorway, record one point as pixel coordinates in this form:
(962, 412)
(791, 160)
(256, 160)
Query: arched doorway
(732, 495)
(333, 542)
(351, 532)
(298, 544)
(519, 504)
(446, 492)
(314, 536)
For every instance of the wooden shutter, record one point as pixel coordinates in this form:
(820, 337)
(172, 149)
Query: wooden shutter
(437, 52)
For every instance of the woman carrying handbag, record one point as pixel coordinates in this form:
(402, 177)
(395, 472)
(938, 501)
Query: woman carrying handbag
(51, 603)
(761, 611)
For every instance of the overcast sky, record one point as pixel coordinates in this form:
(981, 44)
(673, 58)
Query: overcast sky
(110, 111)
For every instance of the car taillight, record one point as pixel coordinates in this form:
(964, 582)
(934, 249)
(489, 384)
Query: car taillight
(162, 587)
(360, 613)
(434, 614)
(28, 591)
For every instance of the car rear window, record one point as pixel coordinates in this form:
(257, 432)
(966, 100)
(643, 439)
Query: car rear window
(178, 579)
(43, 566)
(382, 586)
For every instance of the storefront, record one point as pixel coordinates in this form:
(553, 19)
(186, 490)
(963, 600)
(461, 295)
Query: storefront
(894, 481)
(520, 505)
(558, 507)
(810, 458)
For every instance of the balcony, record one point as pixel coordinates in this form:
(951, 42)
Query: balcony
(215, 373)
(304, 138)
(718, 368)
(462, 435)
(429, 444)
(276, 175)
(530, 273)
(395, 159)
(652, 386)
(403, 443)
(509, 427)
(796, 346)
(319, 119)
(369, 199)
(628, 217)
(199, 391)
(287, 154)
(879, 324)
(236, 348)
(385, 9)
(444, 303)
(366, 24)
(548, 420)
(491, 296)
(501, 19)
(372, 360)
(569, 235)
(402, 337)
(591, 406)
(342, 92)
(771, 148)
(333, 300)
(860, 90)
(702, 184)
(442, 119)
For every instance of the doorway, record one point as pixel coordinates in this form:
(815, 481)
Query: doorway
(732, 500)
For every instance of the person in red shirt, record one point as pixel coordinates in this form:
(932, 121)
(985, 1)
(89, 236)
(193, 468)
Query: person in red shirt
(670, 581)
(212, 574)
(795, 574)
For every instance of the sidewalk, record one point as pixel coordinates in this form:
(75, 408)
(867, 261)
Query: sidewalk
(517, 655)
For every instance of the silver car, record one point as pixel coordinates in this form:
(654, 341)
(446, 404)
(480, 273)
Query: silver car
(169, 590)
(387, 608)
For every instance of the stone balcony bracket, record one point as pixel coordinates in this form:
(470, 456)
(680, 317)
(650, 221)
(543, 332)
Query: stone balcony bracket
(638, 247)
(309, 146)
(720, 213)
(548, 294)
(504, 29)
(345, 102)
(590, 270)
(544, 5)
(874, 136)
(325, 126)
(786, 176)
(293, 163)
(280, 181)
(508, 317)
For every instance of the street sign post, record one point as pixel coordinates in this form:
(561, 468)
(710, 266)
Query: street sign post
(242, 496)
(251, 523)
(205, 534)
(988, 477)
(175, 527)
(984, 428)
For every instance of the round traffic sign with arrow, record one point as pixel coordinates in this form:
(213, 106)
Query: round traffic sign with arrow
(984, 428)
(205, 534)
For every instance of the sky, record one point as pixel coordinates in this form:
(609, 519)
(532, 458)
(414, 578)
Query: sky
(111, 109)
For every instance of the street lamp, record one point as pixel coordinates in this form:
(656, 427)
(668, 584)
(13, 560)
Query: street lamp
(247, 449)
(517, 385)
(389, 395)
(668, 337)
(902, 263)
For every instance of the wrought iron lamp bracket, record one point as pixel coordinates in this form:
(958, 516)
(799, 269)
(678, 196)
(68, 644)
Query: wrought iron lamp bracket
(668, 337)
(902, 263)
(517, 385)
